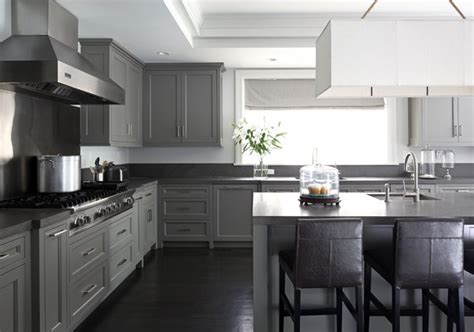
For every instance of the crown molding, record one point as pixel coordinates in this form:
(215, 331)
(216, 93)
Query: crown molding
(194, 13)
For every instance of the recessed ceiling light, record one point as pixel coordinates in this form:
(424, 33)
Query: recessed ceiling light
(162, 53)
(272, 59)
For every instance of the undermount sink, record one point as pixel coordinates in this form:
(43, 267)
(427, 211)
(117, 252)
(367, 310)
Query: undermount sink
(400, 196)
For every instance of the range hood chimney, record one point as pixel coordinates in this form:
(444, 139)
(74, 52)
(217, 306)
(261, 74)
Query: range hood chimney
(41, 57)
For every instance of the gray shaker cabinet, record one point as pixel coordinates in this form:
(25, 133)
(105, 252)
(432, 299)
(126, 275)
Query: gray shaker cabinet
(233, 212)
(13, 303)
(115, 125)
(50, 278)
(15, 290)
(182, 105)
(445, 121)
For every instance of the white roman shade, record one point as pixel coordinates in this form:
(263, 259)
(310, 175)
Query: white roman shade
(295, 94)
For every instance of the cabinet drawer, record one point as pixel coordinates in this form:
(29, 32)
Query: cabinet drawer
(120, 263)
(86, 293)
(85, 253)
(178, 229)
(12, 251)
(120, 232)
(455, 189)
(184, 191)
(149, 195)
(196, 208)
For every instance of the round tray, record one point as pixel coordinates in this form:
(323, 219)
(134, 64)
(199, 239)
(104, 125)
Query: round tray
(306, 200)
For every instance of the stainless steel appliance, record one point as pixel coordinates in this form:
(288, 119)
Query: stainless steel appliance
(41, 57)
(88, 207)
(115, 174)
(58, 174)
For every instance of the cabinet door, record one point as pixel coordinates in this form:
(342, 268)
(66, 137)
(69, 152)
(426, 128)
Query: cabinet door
(466, 120)
(119, 123)
(13, 300)
(134, 104)
(233, 212)
(162, 108)
(439, 121)
(200, 107)
(95, 118)
(54, 271)
(149, 222)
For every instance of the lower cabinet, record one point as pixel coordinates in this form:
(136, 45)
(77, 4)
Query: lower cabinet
(233, 212)
(50, 278)
(280, 188)
(123, 248)
(15, 284)
(146, 203)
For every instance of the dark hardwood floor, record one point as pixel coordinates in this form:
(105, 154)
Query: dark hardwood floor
(182, 290)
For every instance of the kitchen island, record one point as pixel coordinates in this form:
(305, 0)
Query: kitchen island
(274, 219)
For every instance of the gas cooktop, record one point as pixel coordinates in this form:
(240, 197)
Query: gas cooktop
(59, 200)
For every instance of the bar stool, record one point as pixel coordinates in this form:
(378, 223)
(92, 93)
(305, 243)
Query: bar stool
(426, 253)
(469, 305)
(328, 255)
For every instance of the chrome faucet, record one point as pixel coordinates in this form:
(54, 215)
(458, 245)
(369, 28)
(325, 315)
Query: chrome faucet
(413, 169)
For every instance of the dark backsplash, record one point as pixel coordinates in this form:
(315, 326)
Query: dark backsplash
(29, 127)
(206, 170)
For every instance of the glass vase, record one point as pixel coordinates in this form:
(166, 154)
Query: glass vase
(260, 170)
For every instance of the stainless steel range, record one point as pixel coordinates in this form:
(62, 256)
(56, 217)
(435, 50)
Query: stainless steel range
(88, 206)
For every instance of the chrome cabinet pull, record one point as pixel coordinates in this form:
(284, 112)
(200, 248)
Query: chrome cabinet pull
(148, 195)
(123, 261)
(89, 252)
(460, 130)
(4, 256)
(455, 131)
(121, 232)
(184, 133)
(89, 290)
(178, 131)
(184, 230)
(183, 208)
(58, 233)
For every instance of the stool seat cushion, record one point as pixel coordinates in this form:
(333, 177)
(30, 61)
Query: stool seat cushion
(469, 260)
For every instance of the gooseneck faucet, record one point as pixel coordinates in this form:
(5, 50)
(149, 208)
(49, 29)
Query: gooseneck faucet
(416, 194)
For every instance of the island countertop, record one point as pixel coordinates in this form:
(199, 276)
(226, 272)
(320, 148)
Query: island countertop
(284, 208)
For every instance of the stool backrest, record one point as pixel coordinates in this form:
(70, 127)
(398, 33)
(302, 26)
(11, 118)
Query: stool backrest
(328, 253)
(429, 253)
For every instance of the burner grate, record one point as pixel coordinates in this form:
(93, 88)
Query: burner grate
(57, 201)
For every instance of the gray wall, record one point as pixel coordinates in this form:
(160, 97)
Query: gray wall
(30, 127)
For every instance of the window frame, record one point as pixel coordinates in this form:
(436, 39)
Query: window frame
(392, 104)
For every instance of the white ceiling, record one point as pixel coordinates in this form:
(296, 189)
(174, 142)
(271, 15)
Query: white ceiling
(244, 33)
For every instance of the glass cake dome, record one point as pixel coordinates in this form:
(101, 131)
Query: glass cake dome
(319, 181)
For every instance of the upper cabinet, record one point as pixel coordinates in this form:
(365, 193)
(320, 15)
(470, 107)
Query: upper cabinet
(182, 105)
(442, 121)
(115, 125)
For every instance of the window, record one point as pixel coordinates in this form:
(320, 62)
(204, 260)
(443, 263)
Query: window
(342, 135)
(344, 131)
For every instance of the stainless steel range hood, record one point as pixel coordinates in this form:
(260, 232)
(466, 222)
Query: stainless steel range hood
(41, 58)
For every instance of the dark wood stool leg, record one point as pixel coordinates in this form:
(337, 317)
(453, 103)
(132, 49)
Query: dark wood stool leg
(297, 305)
(281, 313)
(367, 290)
(360, 309)
(451, 311)
(339, 309)
(395, 309)
(459, 297)
(425, 309)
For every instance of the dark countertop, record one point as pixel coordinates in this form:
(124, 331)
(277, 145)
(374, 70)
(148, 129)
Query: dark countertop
(15, 221)
(139, 183)
(284, 208)
(294, 180)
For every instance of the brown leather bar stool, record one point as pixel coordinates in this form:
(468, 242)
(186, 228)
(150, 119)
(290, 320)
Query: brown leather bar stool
(468, 304)
(426, 253)
(328, 255)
